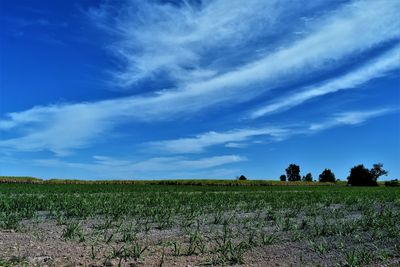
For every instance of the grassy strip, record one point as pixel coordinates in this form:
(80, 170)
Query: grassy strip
(196, 182)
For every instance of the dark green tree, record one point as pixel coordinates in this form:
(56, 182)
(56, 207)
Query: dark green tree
(377, 171)
(293, 173)
(361, 176)
(327, 176)
(282, 178)
(308, 177)
(242, 178)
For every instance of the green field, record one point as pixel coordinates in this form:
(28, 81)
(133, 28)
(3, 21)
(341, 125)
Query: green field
(180, 225)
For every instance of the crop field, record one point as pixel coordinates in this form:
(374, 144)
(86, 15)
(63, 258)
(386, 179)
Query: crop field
(192, 225)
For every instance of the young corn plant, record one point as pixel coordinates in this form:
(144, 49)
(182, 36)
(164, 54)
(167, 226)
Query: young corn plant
(128, 234)
(231, 253)
(10, 221)
(358, 258)
(196, 244)
(137, 250)
(176, 248)
(267, 239)
(321, 248)
(72, 230)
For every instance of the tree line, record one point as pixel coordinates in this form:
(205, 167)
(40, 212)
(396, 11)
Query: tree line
(359, 175)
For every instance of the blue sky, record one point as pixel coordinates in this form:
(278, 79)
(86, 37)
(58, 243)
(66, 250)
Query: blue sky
(198, 89)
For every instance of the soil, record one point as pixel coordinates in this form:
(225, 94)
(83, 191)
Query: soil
(41, 244)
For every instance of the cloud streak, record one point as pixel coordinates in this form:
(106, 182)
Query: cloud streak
(203, 141)
(240, 138)
(177, 39)
(349, 118)
(188, 41)
(375, 69)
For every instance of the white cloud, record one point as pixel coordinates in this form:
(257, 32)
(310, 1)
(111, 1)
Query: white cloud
(188, 41)
(179, 39)
(349, 118)
(203, 167)
(240, 138)
(235, 145)
(327, 43)
(328, 40)
(200, 142)
(58, 128)
(375, 69)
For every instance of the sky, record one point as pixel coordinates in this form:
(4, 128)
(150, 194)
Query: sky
(132, 89)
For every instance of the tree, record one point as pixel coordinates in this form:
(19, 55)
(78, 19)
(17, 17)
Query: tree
(327, 176)
(361, 176)
(377, 171)
(293, 173)
(283, 178)
(242, 178)
(308, 177)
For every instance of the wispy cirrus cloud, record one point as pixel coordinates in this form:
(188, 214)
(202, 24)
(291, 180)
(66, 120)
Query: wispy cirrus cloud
(215, 79)
(240, 138)
(190, 40)
(350, 118)
(379, 67)
(201, 41)
(231, 138)
(58, 128)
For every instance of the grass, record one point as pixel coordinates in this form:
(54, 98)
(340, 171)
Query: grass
(195, 182)
(13, 261)
(219, 225)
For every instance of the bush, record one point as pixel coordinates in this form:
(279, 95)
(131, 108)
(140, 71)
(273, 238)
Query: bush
(242, 178)
(394, 182)
(327, 176)
(308, 178)
(361, 176)
(282, 178)
(293, 173)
